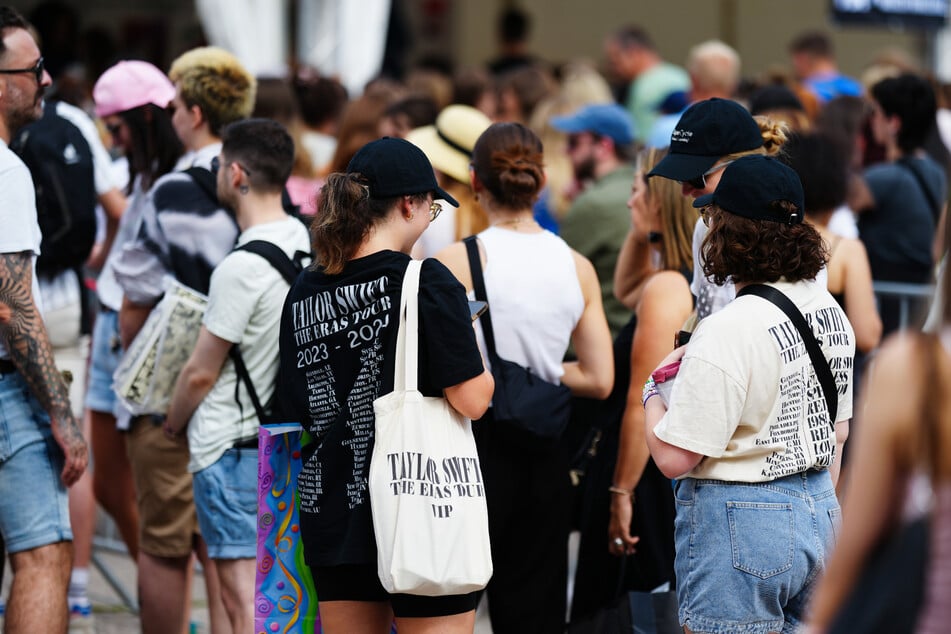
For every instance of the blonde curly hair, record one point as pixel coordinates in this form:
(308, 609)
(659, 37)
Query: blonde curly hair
(214, 80)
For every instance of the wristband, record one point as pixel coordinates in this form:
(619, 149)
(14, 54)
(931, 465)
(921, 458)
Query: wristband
(619, 491)
(650, 389)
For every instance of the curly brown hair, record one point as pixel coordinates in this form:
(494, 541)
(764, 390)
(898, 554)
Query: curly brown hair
(745, 250)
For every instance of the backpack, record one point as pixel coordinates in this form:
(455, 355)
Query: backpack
(60, 160)
(270, 412)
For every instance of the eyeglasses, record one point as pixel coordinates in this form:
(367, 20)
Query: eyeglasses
(37, 69)
(216, 165)
(700, 182)
(435, 209)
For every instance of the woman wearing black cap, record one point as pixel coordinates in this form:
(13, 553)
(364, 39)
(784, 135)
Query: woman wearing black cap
(746, 429)
(338, 342)
(709, 136)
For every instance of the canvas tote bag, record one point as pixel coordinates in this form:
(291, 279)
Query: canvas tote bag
(426, 492)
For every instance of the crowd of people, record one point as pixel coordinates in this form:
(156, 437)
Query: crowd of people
(632, 230)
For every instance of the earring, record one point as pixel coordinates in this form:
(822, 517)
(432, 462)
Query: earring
(410, 217)
(244, 190)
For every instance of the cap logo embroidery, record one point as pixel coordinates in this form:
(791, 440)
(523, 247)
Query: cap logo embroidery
(681, 136)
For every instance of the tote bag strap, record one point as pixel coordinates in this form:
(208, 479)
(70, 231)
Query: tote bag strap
(407, 338)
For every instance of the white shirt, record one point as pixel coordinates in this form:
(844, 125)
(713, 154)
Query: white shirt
(244, 306)
(21, 230)
(535, 299)
(746, 394)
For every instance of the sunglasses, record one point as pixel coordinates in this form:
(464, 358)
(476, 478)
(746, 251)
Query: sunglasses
(37, 69)
(700, 182)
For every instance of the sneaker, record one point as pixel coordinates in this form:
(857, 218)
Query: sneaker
(79, 607)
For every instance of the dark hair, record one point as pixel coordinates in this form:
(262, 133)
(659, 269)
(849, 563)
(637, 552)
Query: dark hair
(746, 250)
(347, 214)
(275, 100)
(507, 158)
(632, 36)
(321, 99)
(530, 85)
(264, 148)
(468, 86)
(154, 146)
(815, 43)
(513, 26)
(910, 98)
(822, 163)
(420, 110)
(10, 19)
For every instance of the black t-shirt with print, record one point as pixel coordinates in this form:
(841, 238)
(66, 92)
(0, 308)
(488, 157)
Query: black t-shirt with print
(338, 344)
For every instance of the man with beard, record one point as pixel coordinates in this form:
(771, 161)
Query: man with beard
(38, 433)
(599, 140)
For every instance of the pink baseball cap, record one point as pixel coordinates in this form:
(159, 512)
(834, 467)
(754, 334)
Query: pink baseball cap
(129, 85)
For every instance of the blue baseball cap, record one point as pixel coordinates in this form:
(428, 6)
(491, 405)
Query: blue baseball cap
(605, 119)
(752, 185)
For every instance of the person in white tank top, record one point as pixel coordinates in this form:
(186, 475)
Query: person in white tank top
(542, 296)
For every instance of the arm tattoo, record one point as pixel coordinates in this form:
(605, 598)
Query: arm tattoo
(26, 340)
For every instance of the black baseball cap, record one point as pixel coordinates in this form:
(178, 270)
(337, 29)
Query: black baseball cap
(707, 131)
(396, 167)
(751, 185)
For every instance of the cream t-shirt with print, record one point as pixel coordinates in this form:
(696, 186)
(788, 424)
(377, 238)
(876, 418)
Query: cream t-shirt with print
(747, 396)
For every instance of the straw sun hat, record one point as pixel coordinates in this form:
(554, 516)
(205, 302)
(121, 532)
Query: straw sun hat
(448, 143)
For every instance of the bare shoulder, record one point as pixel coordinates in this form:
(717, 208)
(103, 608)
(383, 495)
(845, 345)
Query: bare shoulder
(665, 284)
(456, 260)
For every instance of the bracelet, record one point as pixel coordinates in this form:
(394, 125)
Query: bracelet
(619, 491)
(650, 389)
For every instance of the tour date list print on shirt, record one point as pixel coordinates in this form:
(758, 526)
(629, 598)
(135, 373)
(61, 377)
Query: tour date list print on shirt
(346, 322)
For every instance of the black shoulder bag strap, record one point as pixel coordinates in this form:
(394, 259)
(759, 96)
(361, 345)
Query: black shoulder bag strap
(819, 361)
(929, 195)
(285, 266)
(478, 285)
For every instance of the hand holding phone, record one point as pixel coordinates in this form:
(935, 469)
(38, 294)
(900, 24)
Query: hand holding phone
(664, 379)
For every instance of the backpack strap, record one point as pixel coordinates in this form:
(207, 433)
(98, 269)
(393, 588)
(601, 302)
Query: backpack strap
(478, 285)
(205, 180)
(819, 361)
(276, 257)
(929, 195)
(289, 270)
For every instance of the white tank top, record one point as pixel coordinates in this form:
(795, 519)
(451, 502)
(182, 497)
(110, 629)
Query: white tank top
(534, 298)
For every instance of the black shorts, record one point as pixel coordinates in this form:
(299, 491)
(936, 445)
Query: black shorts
(361, 583)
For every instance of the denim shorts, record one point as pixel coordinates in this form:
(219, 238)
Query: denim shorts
(226, 499)
(748, 554)
(105, 357)
(34, 507)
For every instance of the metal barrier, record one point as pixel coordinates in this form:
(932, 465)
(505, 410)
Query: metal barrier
(905, 293)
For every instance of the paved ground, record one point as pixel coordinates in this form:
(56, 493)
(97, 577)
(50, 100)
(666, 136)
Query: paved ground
(112, 616)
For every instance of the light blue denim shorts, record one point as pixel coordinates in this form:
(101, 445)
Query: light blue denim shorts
(104, 359)
(749, 554)
(226, 499)
(34, 509)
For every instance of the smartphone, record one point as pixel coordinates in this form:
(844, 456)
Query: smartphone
(681, 338)
(476, 308)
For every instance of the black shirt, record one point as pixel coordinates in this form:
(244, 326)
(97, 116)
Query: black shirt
(338, 344)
